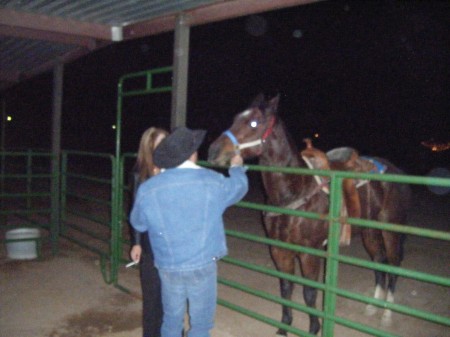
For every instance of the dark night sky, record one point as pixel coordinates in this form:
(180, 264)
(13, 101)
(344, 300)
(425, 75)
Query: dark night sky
(369, 74)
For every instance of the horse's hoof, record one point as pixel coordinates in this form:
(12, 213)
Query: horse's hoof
(371, 310)
(386, 319)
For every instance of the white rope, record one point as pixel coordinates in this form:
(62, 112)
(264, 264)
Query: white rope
(250, 144)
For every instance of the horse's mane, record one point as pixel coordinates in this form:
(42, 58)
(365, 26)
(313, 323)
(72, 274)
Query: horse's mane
(267, 105)
(292, 144)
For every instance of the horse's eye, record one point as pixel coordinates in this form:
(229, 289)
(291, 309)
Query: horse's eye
(253, 124)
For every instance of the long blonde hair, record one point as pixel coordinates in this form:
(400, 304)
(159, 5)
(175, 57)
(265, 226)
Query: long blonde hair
(144, 164)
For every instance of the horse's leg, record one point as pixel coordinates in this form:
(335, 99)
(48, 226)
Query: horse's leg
(394, 210)
(310, 265)
(373, 242)
(394, 252)
(285, 262)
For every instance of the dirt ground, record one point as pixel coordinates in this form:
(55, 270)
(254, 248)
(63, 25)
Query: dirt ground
(65, 295)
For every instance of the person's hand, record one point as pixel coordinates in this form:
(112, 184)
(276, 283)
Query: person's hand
(136, 252)
(236, 160)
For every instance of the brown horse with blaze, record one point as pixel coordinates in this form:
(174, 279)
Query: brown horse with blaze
(259, 132)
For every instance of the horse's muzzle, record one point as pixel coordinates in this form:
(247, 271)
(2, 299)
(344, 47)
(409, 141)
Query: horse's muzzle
(220, 152)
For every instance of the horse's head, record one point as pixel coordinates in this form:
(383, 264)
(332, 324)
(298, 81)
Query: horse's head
(247, 134)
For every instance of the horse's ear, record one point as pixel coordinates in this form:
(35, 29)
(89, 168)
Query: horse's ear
(273, 103)
(258, 101)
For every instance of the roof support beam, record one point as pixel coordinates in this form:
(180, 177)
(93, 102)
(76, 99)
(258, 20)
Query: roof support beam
(58, 80)
(9, 76)
(180, 73)
(210, 13)
(51, 24)
(32, 34)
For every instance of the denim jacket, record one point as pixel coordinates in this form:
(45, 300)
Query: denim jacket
(182, 208)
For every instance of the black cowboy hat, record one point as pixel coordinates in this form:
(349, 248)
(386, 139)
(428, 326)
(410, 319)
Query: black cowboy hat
(178, 147)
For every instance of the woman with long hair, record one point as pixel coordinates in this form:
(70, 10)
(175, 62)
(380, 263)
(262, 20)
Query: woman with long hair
(141, 250)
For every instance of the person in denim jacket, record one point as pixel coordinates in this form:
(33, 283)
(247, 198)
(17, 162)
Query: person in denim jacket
(182, 209)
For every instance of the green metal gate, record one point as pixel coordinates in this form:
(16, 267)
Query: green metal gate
(89, 191)
(335, 259)
(29, 195)
(88, 183)
(129, 86)
(94, 193)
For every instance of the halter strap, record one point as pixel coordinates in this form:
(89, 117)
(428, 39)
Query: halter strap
(323, 184)
(233, 139)
(269, 129)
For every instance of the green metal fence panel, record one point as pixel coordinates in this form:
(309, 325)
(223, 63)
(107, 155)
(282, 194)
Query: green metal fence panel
(124, 200)
(130, 85)
(27, 195)
(148, 87)
(334, 257)
(92, 186)
(88, 183)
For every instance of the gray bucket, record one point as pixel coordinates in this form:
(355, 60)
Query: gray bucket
(21, 243)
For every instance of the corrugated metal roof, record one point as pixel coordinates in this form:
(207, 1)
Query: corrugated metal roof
(34, 34)
(106, 12)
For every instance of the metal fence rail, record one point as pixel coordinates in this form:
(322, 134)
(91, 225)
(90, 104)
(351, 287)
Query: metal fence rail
(87, 212)
(334, 258)
(94, 206)
(153, 81)
(27, 197)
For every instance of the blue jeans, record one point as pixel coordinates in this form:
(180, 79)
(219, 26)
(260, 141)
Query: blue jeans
(198, 289)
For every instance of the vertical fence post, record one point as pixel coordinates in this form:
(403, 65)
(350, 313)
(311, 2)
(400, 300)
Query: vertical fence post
(115, 189)
(3, 137)
(331, 272)
(2, 173)
(2, 190)
(63, 217)
(115, 222)
(29, 175)
(58, 79)
(55, 215)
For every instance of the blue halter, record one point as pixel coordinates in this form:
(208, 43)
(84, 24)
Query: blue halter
(238, 147)
(233, 139)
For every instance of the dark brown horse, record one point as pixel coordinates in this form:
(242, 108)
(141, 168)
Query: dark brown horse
(259, 132)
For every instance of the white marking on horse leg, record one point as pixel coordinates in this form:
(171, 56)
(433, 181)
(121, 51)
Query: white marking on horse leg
(386, 319)
(378, 295)
(379, 292)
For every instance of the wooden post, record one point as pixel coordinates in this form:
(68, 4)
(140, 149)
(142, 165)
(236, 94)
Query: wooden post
(58, 74)
(180, 72)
